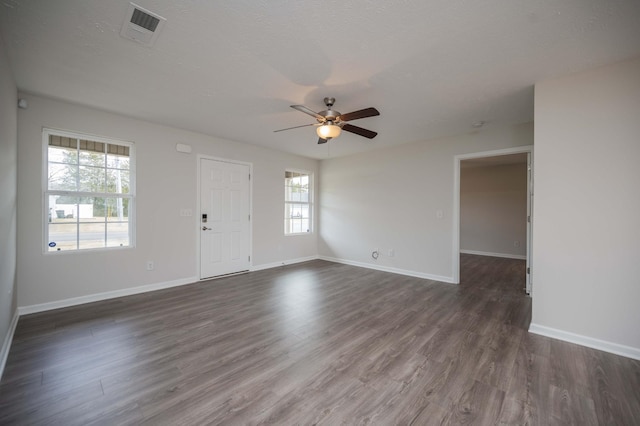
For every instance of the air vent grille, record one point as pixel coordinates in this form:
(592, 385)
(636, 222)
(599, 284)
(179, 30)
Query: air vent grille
(141, 25)
(144, 20)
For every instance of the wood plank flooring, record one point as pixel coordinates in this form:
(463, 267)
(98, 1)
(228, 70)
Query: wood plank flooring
(314, 343)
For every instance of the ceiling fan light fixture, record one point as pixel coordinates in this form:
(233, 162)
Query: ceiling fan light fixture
(327, 131)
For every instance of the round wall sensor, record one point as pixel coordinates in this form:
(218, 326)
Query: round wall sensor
(22, 104)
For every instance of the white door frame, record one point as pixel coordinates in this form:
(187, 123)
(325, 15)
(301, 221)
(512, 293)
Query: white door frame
(456, 199)
(198, 223)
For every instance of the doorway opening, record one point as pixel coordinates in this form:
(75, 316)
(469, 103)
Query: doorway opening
(493, 200)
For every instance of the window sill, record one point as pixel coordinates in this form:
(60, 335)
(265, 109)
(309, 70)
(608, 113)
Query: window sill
(298, 234)
(88, 250)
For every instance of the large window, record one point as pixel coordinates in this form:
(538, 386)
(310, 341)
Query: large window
(89, 192)
(298, 206)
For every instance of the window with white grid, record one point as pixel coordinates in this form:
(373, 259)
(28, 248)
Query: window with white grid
(88, 191)
(298, 205)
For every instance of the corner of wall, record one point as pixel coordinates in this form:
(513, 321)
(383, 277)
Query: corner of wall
(6, 345)
(8, 202)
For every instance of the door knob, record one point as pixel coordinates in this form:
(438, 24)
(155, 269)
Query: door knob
(204, 228)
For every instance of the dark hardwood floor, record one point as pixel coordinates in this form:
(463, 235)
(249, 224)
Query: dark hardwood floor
(314, 343)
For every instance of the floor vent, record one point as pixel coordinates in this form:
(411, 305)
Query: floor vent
(142, 25)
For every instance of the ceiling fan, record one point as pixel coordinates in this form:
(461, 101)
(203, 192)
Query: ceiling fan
(331, 123)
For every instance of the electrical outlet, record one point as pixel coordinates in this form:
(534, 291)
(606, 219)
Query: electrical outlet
(186, 212)
(150, 265)
(439, 214)
(391, 252)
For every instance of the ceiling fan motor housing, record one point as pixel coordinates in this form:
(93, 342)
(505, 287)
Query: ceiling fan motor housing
(329, 114)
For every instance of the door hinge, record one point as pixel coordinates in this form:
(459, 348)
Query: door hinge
(249, 176)
(249, 258)
(528, 270)
(529, 219)
(249, 217)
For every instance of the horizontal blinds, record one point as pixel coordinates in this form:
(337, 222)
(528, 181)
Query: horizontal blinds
(87, 145)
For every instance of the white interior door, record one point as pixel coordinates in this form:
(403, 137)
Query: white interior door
(224, 218)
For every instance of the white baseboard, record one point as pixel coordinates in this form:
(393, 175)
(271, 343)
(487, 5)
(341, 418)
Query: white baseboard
(282, 263)
(390, 269)
(6, 345)
(589, 342)
(31, 309)
(488, 253)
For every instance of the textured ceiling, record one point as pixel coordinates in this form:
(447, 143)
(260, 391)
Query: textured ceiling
(231, 68)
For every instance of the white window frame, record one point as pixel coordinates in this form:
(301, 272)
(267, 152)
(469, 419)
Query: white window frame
(310, 203)
(46, 192)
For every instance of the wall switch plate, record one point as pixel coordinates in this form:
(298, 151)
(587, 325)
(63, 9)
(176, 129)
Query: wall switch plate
(439, 214)
(150, 265)
(391, 252)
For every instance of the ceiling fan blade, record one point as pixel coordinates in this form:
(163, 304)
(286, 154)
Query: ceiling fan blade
(363, 113)
(306, 110)
(295, 127)
(323, 140)
(359, 131)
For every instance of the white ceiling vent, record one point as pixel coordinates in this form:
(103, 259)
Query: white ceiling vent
(141, 25)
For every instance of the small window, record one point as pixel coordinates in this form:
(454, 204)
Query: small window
(298, 206)
(89, 192)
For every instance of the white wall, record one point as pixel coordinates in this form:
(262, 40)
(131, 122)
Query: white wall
(493, 209)
(586, 229)
(388, 199)
(166, 183)
(8, 195)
